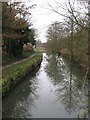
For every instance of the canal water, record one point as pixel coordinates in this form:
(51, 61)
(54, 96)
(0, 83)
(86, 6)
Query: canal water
(52, 91)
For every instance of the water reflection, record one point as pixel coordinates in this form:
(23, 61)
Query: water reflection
(15, 105)
(53, 70)
(71, 89)
(52, 92)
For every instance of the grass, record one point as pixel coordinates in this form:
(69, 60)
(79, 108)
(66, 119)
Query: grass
(15, 73)
(37, 50)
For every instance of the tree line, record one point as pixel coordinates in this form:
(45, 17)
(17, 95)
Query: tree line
(16, 28)
(71, 36)
(59, 41)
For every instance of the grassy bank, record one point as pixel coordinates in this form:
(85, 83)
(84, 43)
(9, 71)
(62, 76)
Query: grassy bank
(16, 73)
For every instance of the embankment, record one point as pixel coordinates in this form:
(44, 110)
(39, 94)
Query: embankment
(81, 61)
(14, 74)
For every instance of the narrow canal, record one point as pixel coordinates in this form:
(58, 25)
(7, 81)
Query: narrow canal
(49, 92)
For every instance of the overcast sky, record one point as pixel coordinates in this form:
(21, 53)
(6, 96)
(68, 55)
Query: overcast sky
(42, 17)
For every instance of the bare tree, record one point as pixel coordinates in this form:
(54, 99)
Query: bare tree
(78, 14)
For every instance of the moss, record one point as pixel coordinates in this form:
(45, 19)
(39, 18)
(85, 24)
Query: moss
(14, 74)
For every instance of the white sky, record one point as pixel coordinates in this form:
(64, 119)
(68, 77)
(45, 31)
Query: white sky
(42, 17)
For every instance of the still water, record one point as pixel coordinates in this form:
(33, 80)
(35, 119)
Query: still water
(50, 92)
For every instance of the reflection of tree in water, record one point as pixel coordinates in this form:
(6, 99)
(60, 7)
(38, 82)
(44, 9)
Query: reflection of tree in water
(53, 70)
(20, 99)
(70, 90)
(77, 92)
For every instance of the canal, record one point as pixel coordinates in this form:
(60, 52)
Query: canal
(52, 91)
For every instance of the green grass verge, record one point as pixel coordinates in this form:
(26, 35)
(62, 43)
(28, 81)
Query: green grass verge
(14, 74)
(37, 50)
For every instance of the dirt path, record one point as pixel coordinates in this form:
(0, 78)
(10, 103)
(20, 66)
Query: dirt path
(6, 66)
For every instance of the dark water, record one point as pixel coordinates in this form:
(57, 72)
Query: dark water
(50, 92)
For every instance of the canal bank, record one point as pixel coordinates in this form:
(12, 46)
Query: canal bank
(48, 93)
(15, 73)
(82, 63)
